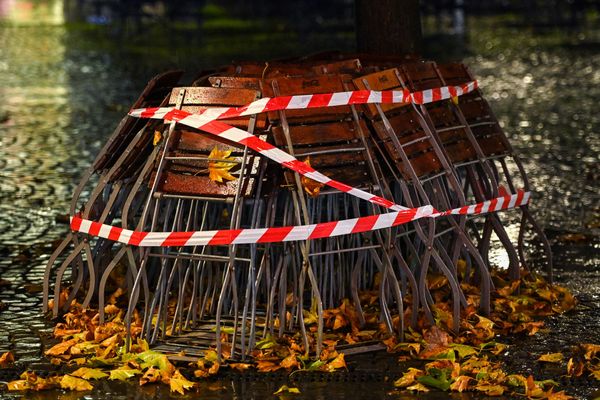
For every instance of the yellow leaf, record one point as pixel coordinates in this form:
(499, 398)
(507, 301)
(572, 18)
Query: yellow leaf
(179, 384)
(286, 389)
(6, 359)
(551, 357)
(122, 374)
(596, 374)
(418, 387)
(337, 363)
(152, 358)
(73, 383)
(574, 368)
(463, 350)
(558, 395)
(18, 385)
(409, 377)
(311, 187)
(490, 389)
(219, 170)
(157, 137)
(461, 383)
(89, 373)
(455, 99)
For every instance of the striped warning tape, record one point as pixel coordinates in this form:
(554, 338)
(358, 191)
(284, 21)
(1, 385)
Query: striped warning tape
(288, 233)
(318, 100)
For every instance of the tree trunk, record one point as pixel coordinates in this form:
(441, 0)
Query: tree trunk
(388, 26)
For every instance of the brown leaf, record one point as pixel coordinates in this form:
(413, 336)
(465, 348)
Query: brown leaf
(461, 383)
(490, 389)
(267, 366)
(151, 375)
(311, 187)
(6, 359)
(61, 348)
(290, 362)
(574, 368)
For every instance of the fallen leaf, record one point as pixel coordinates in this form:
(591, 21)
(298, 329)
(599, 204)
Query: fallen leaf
(73, 383)
(157, 138)
(574, 368)
(286, 389)
(290, 362)
(18, 385)
(463, 350)
(461, 383)
(409, 377)
(151, 375)
(551, 357)
(6, 359)
(490, 389)
(590, 350)
(418, 387)
(267, 366)
(89, 373)
(240, 366)
(337, 363)
(311, 187)
(219, 170)
(179, 383)
(123, 374)
(61, 348)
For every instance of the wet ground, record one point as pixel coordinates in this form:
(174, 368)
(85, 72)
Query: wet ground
(63, 89)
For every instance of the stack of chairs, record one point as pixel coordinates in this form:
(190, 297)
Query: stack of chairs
(153, 176)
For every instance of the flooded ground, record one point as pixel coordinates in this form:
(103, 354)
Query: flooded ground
(64, 88)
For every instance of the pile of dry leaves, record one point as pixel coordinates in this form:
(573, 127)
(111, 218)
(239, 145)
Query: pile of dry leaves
(468, 361)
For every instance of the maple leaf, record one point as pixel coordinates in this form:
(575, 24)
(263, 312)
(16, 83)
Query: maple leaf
(6, 359)
(267, 366)
(179, 383)
(123, 374)
(241, 366)
(532, 389)
(69, 382)
(461, 383)
(336, 363)
(409, 377)
(89, 373)
(418, 387)
(590, 350)
(574, 368)
(286, 389)
(290, 361)
(557, 396)
(463, 350)
(18, 385)
(151, 358)
(219, 170)
(490, 389)
(151, 375)
(61, 348)
(311, 187)
(551, 357)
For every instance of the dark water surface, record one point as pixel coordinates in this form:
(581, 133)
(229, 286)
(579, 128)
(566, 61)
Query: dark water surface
(63, 89)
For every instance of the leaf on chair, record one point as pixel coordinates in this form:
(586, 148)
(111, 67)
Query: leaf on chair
(311, 187)
(219, 170)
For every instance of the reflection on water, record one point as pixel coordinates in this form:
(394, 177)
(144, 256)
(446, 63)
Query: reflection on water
(63, 89)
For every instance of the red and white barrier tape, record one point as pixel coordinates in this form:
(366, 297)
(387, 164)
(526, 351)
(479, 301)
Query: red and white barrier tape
(206, 121)
(288, 233)
(318, 100)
